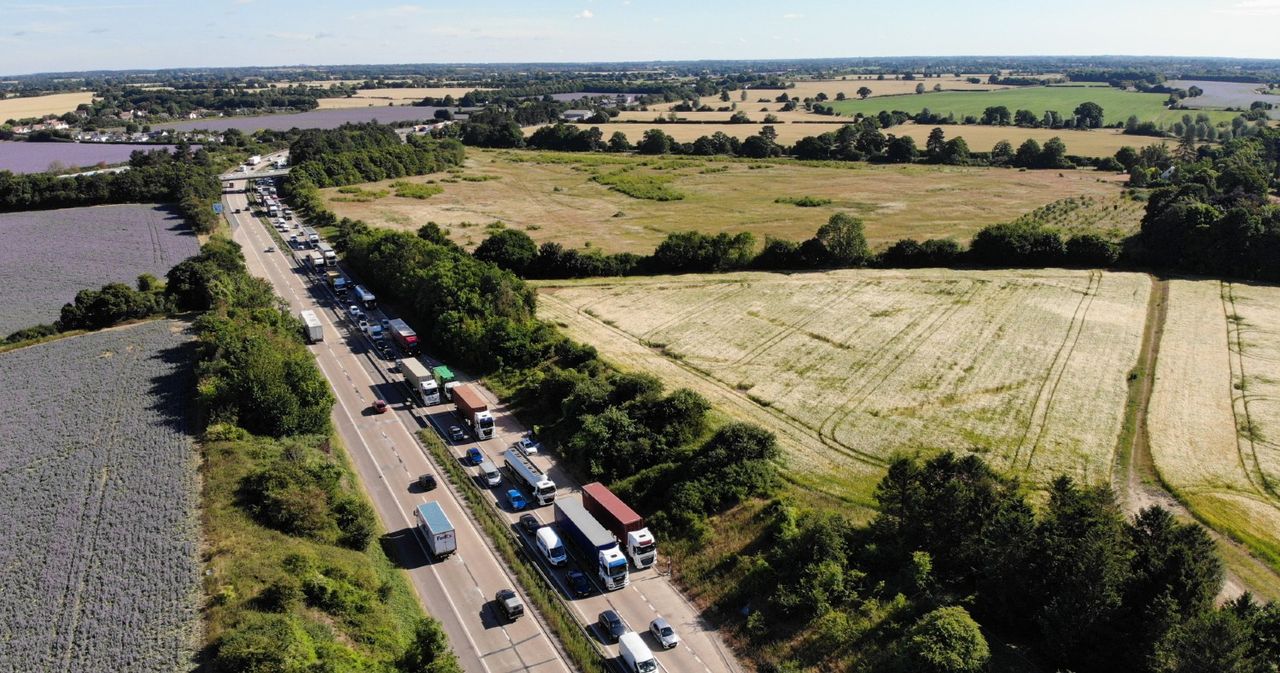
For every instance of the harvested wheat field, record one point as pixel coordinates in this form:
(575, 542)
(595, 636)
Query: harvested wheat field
(555, 197)
(1026, 368)
(810, 88)
(392, 96)
(39, 106)
(1215, 409)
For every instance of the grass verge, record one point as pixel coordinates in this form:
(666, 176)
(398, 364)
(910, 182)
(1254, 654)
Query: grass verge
(577, 643)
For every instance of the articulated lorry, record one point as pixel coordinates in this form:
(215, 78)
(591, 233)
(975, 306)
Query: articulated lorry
(337, 281)
(436, 529)
(525, 473)
(311, 327)
(594, 542)
(326, 250)
(405, 338)
(627, 526)
(419, 380)
(473, 410)
(446, 380)
(366, 297)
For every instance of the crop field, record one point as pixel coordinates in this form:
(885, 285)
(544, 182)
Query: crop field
(1227, 94)
(312, 119)
(404, 96)
(38, 106)
(1117, 105)
(98, 498)
(1215, 410)
(555, 197)
(23, 157)
(50, 255)
(1097, 143)
(810, 88)
(1026, 368)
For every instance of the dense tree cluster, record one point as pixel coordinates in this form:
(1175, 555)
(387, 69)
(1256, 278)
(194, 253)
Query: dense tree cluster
(415, 156)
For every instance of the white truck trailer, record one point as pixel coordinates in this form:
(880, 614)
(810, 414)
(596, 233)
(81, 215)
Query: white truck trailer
(311, 327)
(436, 529)
(420, 381)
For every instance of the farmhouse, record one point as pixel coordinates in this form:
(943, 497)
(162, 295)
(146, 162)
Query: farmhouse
(577, 115)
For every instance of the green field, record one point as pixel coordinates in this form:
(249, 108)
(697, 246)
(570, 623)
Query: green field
(1117, 105)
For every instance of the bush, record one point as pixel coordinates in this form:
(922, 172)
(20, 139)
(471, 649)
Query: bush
(265, 643)
(1017, 244)
(803, 201)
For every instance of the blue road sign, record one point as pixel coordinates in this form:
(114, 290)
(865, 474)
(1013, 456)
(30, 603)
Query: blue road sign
(217, 208)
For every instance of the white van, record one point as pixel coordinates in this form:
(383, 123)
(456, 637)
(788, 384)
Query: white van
(551, 547)
(636, 654)
(489, 473)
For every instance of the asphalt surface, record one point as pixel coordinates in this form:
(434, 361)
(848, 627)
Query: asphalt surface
(459, 591)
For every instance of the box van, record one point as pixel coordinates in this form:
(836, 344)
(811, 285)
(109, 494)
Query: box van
(635, 654)
(551, 547)
(489, 473)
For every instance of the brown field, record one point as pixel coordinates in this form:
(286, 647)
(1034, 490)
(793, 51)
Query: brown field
(375, 97)
(812, 87)
(848, 368)
(37, 106)
(1097, 143)
(1215, 411)
(552, 196)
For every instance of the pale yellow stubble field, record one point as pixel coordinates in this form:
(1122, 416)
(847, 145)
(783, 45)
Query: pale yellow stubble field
(38, 106)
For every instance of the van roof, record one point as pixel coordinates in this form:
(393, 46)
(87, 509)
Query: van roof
(548, 537)
(487, 465)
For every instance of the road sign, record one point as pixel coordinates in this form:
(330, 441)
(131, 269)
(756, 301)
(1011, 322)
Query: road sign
(217, 208)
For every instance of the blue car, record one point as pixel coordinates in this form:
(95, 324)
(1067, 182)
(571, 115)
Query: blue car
(474, 457)
(516, 498)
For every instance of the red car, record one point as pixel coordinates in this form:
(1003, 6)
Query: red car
(380, 407)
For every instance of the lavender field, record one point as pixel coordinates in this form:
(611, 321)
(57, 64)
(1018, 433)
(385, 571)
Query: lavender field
(39, 157)
(1226, 94)
(48, 256)
(98, 495)
(313, 119)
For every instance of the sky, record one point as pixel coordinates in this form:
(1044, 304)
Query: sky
(110, 35)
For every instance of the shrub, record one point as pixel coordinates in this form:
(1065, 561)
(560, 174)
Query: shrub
(803, 201)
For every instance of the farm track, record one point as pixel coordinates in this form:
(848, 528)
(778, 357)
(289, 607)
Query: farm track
(1059, 362)
(1245, 429)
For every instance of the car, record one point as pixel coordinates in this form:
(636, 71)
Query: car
(579, 583)
(509, 604)
(354, 311)
(663, 633)
(399, 366)
(530, 523)
(456, 434)
(237, 210)
(386, 324)
(269, 248)
(427, 482)
(380, 407)
(526, 445)
(611, 626)
(474, 456)
(362, 325)
(516, 498)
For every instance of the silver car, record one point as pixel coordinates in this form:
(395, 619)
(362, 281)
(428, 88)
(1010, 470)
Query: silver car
(663, 633)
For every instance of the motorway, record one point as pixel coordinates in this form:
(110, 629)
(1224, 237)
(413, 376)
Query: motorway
(388, 458)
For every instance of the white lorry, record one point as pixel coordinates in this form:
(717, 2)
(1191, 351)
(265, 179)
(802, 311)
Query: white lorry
(524, 472)
(311, 327)
(420, 381)
(436, 529)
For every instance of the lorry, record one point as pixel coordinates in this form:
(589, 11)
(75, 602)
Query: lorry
(436, 529)
(316, 262)
(366, 297)
(593, 541)
(405, 337)
(473, 410)
(312, 238)
(311, 327)
(419, 380)
(444, 377)
(254, 160)
(281, 162)
(635, 654)
(326, 250)
(524, 472)
(337, 281)
(627, 526)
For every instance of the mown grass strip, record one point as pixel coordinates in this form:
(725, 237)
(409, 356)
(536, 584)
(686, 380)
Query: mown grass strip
(640, 185)
(575, 639)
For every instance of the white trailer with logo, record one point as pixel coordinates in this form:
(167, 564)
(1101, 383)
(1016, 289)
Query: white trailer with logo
(436, 529)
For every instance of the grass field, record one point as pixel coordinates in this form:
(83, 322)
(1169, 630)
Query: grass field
(554, 197)
(1098, 143)
(849, 368)
(375, 97)
(1215, 412)
(1117, 105)
(38, 106)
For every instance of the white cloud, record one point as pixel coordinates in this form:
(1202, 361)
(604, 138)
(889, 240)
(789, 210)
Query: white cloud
(1253, 8)
(299, 37)
(584, 14)
(792, 17)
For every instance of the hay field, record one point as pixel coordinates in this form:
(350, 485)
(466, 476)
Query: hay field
(1097, 143)
(1026, 368)
(375, 97)
(1215, 410)
(553, 197)
(810, 88)
(38, 106)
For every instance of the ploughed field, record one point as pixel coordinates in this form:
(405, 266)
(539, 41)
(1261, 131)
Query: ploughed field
(47, 256)
(312, 119)
(559, 197)
(1026, 368)
(98, 500)
(24, 157)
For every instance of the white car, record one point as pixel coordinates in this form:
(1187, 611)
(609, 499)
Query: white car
(526, 446)
(663, 633)
(363, 325)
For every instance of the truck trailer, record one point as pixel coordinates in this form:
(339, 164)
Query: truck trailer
(593, 541)
(326, 250)
(436, 529)
(366, 297)
(444, 377)
(311, 327)
(406, 338)
(419, 380)
(627, 526)
(524, 472)
(473, 410)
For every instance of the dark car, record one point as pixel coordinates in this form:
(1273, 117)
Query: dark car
(474, 457)
(611, 626)
(579, 583)
(380, 406)
(530, 523)
(427, 482)
(509, 604)
(456, 434)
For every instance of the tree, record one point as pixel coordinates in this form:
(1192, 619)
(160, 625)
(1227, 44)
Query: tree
(510, 249)
(739, 117)
(429, 652)
(934, 146)
(1127, 156)
(265, 643)
(863, 92)
(618, 142)
(1089, 115)
(1028, 154)
(1216, 641)
(1026, 118)
(843, 241)
(946, 640)
(997, 115)
(955, 152)
(655, 141)
(1054, 154)
(1002, 154)
(901, 150)
(920, 88)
